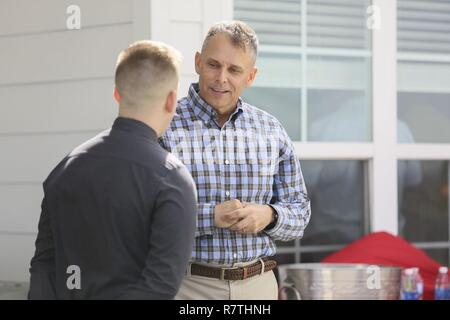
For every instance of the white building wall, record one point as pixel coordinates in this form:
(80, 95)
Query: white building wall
(184, 24)
(55, 91)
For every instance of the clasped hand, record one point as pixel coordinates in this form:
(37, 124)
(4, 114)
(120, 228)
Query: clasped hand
(243, 217)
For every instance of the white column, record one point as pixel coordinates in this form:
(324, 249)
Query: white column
(383, 167)
(215, 11)
(184, 25)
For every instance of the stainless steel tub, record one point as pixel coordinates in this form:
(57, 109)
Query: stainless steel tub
(317, 281)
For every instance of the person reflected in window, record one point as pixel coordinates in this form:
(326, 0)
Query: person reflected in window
(337, 186)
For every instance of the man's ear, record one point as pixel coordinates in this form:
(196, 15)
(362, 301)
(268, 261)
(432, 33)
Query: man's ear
(251, 76)
(171, 101)
(198, 58)
(116, 95)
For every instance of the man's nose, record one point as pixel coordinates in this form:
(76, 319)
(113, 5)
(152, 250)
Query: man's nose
(222, 76)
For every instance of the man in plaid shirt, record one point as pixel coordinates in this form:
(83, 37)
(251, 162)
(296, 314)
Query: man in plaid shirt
(250, 186)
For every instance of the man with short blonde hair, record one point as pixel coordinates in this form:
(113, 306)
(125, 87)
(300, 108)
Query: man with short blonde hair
(146, 72)
(120, 210)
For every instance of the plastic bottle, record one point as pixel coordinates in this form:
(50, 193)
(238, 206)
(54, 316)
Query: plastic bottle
(411, 285)
(442, 287)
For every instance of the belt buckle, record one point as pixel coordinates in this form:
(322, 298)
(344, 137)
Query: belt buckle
(222, 272)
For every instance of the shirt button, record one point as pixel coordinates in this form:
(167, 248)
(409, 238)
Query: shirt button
(227, 162)
(223, 133)
(206, 123)
(227, 193)
(234, 255)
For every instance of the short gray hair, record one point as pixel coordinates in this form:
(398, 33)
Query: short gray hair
(240, 33)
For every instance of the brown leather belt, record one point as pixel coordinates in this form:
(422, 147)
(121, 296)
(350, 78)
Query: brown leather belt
(233, 273)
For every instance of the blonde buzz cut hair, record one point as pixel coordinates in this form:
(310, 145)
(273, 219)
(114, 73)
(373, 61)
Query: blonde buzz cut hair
(146, 72)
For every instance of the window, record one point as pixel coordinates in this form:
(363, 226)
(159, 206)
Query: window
(424, 70)
(314, 66)
(315, 77)
(330, 80)
(423, 193)
(424, 117)
(338, 193)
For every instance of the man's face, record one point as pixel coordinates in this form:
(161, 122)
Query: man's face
(224, 71)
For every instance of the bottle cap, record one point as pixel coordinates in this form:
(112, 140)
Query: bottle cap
(443, 269)
(409, 271)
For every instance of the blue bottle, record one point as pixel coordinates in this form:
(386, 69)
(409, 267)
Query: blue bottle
(442, 287)
(411, 285)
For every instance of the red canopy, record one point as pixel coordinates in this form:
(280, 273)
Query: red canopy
(383, 248)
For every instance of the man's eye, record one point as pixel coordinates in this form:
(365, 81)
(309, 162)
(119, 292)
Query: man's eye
(213, 65)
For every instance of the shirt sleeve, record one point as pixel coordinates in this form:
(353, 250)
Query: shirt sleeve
(171, 238)
(290, 198)
(42, 270)
(205, 211)
(205, 221)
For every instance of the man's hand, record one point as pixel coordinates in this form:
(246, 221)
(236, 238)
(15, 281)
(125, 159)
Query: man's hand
(252, 218)
(226, 214)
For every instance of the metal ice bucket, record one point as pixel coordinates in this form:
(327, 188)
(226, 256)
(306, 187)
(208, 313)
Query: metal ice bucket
(318, 281)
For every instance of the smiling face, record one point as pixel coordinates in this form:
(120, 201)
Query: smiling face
(224, 70)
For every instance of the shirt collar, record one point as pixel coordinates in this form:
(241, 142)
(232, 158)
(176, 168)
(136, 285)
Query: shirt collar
(204, 110)
(136, 127)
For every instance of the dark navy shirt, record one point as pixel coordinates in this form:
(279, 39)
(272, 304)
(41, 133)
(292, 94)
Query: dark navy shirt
(118, 220)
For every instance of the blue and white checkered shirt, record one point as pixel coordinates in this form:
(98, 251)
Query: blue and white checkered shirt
(249, 158)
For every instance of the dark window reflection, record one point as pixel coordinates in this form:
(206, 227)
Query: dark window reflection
(336, 189)
(440, 255)
(424, 201)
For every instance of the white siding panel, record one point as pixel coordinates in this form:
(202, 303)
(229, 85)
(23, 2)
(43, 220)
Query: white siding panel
(65, 106)
(20, 207)
(16, 252)
(24, 16)
(56, 90)
(62, 55)
(215, 11)
(191, 10)
(187, 38)
(185, 82)
(141, 19)
(31, 158)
